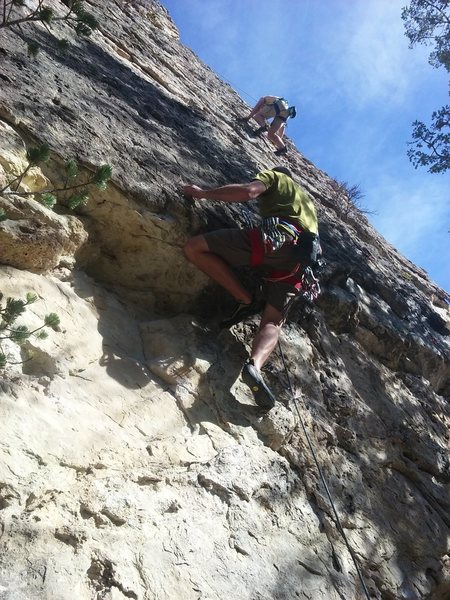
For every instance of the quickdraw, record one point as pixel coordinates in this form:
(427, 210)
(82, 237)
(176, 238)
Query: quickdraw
(310, 287)
(275, 232)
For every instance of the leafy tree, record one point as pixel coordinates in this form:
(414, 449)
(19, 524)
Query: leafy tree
(80, 195)
(436, 139)
(14, 13)
(428, 22)
(9, 313)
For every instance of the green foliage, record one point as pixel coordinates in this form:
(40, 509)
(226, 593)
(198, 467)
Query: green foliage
(102, 176)
(46, 15)
(19, 334)
(52, 320)
(83, 21)
(33, 49)
(71, 168)
(63, 44)
(428, 22)
(31, 297)
(13, 309)
(75, 5)
(89, 20)
(85, 18)
(436, 140)
(77, 200)
(48, 200)
(38, 154)
(82, 29)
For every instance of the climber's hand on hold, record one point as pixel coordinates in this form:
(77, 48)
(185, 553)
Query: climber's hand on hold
(192, 191)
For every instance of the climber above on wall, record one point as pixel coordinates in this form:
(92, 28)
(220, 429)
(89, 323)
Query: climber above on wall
(269, 107)
(288, 234)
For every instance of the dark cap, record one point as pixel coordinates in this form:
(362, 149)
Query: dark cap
(283, 170)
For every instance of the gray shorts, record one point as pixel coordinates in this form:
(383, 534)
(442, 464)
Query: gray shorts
(233, 245)
(268, 111)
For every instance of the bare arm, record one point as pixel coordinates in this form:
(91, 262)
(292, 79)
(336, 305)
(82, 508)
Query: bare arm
(235, 192)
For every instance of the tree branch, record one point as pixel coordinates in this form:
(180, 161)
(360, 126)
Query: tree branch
(431, 5)
(53, 190)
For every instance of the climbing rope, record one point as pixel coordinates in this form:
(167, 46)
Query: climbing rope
(324, 483)
(233, 86)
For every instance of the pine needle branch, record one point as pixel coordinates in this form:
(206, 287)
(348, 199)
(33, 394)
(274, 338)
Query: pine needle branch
(84, 21)
(42, 154)
(20, 334)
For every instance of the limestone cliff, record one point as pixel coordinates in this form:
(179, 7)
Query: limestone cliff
(133, 462)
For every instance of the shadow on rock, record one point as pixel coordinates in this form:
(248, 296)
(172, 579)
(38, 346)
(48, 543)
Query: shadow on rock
(122, 355)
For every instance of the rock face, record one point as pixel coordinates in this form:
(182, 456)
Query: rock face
(133, 462)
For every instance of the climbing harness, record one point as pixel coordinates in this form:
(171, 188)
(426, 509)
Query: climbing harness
(273, 233)
(324, 483)
(280, 104)
(270, 236)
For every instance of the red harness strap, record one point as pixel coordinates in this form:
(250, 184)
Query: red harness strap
(289, 277)
(257, 247)
(257, 257)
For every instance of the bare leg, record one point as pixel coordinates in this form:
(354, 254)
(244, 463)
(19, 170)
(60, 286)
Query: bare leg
(276, 132)
(257, 114)
(267, 337)
(258, 106)
(197, 252)
(260, 119)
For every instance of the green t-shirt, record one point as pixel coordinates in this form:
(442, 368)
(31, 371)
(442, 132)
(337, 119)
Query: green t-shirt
(285, 198)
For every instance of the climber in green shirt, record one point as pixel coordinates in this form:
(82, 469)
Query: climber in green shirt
(285, 198)
(289, 223)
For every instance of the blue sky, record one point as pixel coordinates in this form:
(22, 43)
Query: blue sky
(347, 67)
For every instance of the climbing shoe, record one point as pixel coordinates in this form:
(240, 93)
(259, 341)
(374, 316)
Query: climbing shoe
(281, 151)
(259, 131)
(242, 119)
(261, 392)
(241, 312)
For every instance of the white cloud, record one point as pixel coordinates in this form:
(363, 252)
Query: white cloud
(412, 216)
(379, 65)
(361, 53)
